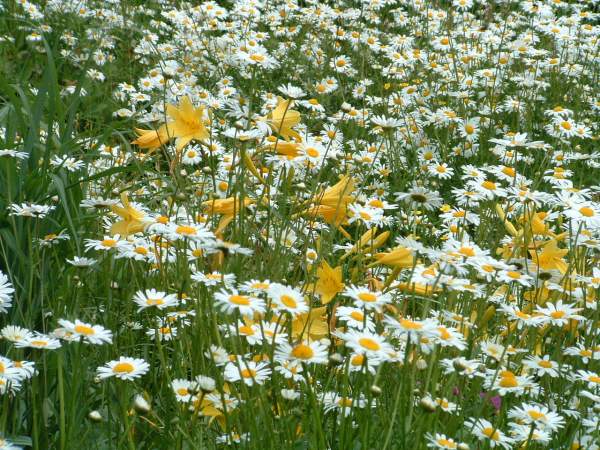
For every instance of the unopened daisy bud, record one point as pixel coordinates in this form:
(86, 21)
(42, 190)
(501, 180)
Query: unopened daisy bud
(206, 169)
(376, 390)
(183, 172)
(421, 364)
(97, 379)
(346, 106)
(458, 364)
(463, 446)
(141, 405)
(290, 394)
(487, 315)
(55, 198)
(336, 359)
(205, 384)
(95, 416)
(427, 404)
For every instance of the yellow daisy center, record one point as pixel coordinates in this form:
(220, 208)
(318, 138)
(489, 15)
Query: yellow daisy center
(302, 351)
(84, 329)
(239, 300)
(367, 297)
(288, 301)
(369, 344)
(123, 367)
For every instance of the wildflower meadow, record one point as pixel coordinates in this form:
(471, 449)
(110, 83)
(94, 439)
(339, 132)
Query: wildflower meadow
(300, 224)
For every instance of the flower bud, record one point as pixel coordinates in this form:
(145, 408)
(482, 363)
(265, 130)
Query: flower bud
(205, 384)
(141, 405)
(336, 359)
(95, 416)
(376, 390)
(427, 404)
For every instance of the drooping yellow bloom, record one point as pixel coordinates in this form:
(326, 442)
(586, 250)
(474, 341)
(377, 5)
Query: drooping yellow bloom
(289, 149)
(282, 119)
(133, 220)
(227, 208)
(423, 290)
(399, 257)
(329, 282)
(332, 204)
(368, 242)
(538, 226)
(188, 123)
(312, 324)
(151, 139)
(509, 226)
(206, 407)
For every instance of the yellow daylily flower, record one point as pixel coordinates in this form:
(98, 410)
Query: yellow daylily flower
(312, 324)
(332, 203)
(282, 119)
(399, 257)
(227, 208)
(550, 257)
(188, 123)
(329, 282)
(133, 220)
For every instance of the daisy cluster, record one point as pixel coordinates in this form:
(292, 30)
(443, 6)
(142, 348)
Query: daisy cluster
(357, 222)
